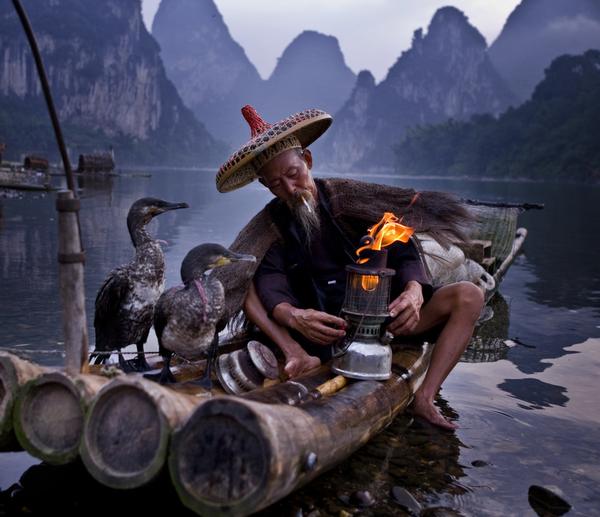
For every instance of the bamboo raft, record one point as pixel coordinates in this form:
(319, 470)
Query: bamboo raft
(227, 455)
(17, 178)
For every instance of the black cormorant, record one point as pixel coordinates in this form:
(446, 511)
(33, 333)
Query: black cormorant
(188, 318)
(125, 302)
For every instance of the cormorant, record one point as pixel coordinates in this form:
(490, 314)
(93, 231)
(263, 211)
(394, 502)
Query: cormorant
(125, 302)
(188, 318)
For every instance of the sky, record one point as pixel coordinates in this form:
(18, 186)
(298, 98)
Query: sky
(372, 33)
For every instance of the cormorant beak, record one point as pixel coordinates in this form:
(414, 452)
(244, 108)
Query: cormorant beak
(172, 206)
(223, 260)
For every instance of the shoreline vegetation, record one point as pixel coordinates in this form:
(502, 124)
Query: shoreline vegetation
(552, 136)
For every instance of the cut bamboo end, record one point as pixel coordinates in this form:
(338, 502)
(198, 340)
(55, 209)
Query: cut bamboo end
(14, 373)
(220, 460)
(49, 415)
(127, 430)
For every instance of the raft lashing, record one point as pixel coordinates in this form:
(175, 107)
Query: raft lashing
(227, 454)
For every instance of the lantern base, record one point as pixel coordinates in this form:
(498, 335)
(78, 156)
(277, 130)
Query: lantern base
(365, 361)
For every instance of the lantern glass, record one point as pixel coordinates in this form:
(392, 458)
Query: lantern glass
(367, 294)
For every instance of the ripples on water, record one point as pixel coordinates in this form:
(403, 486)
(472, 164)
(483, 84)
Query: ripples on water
(524, 395)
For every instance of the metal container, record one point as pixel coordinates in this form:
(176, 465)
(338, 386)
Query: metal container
(364, 354)
(245, 370)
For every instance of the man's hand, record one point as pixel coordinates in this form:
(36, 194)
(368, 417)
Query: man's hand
(405, 309)
(319, 327)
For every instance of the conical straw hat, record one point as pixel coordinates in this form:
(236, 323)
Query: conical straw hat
(267, 141)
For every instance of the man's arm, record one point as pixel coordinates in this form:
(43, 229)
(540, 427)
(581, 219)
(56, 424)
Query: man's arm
(297, 361)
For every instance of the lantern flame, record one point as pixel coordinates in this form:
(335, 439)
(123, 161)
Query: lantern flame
(387, 231)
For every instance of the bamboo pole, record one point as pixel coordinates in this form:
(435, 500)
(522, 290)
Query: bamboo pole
(70, 251)
(127, 430)
(521, 235)
(235, 456)
(292, 392)
(70, 275)
(14, 373)
(331, 386)
(49, 414)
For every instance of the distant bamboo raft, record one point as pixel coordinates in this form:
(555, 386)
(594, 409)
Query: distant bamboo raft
(49, 414)
(14, 374)
(96, 162)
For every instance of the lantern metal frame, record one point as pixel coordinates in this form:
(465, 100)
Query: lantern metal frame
(364, 352)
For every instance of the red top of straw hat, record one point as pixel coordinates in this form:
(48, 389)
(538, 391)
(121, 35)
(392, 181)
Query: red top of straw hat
(255, 121)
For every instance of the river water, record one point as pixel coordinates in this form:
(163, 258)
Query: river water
(529, 415)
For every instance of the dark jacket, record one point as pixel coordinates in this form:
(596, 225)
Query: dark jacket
(315, 276)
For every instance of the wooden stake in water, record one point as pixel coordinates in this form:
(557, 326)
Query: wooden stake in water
(70, 275)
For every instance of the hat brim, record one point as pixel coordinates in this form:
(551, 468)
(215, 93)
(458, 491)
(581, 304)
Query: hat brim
(238, 171)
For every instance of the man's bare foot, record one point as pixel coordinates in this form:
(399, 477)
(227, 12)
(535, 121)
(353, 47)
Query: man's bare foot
(424, 408)
(298, 364)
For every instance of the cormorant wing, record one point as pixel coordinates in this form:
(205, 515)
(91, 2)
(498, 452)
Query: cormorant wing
(108, 304)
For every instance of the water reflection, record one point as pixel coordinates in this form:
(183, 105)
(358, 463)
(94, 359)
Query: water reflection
(69, 490)
(553, 445)
(536, 393)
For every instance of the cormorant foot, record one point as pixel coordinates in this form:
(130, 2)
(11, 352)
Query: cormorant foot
(140, 364)
(126, 366)
(97, 358)
(163, 377)
(204, 382)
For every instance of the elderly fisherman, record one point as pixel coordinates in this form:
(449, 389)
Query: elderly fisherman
(306, 236)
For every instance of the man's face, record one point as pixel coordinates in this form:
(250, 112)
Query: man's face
(288, 175)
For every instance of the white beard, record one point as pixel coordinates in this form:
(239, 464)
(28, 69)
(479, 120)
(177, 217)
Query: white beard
(304, 209)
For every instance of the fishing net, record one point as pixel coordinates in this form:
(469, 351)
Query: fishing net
(495, 224)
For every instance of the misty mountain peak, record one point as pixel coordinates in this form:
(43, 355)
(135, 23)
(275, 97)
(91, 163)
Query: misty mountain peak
(210, 69)
(188, 14)
(450, 28)
(536, 32)
(365, 80)
(310, 61)
(311, 46)
(107, 78)
(445, 74)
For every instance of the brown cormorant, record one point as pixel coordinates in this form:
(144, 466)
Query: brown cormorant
(125, 302)
(188, 318)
